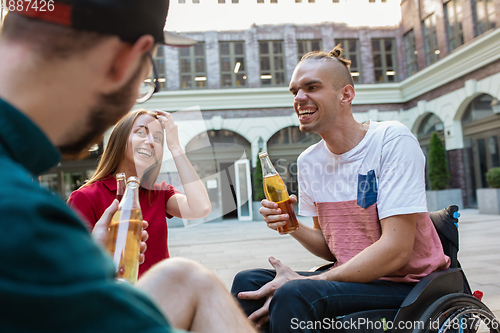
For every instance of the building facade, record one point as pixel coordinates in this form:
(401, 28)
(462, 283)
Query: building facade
(438, 69)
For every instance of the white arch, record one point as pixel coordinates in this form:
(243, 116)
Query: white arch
(420, 119)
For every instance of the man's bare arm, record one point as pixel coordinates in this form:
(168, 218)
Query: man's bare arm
(391, 252)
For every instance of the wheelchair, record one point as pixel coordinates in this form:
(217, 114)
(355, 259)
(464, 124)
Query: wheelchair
(441, 302)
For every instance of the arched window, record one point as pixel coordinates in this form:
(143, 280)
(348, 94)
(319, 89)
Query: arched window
(479, 108)
(430, 124)
(292, 135)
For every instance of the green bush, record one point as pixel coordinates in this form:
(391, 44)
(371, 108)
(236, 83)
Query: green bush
(493, 177)
(258, 183)
(439, 176)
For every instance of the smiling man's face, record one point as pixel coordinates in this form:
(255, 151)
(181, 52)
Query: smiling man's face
(316, 101)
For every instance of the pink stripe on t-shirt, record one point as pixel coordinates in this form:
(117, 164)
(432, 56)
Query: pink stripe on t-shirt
(349, 229)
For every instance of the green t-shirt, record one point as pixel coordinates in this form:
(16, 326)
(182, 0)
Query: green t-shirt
(53, 277)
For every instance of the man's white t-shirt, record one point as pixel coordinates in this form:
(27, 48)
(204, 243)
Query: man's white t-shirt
(350, 193)
(388, 165)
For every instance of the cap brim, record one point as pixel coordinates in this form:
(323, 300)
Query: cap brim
(174, 39)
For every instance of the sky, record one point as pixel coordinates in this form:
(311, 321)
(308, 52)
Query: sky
(210, 15)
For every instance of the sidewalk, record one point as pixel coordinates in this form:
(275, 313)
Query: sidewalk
(231, 246)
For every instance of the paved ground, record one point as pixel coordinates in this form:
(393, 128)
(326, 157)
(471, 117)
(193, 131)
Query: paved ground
(230, 246)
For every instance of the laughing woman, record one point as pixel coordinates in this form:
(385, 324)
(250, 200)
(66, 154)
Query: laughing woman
(135, 147)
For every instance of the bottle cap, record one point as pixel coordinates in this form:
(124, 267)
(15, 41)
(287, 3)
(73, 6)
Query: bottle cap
(121, 176)
(263, 154)
(132, 179)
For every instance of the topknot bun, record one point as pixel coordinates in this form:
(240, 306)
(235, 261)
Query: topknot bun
(336, 52)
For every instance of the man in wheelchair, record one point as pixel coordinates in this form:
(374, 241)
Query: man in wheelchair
(364, 187)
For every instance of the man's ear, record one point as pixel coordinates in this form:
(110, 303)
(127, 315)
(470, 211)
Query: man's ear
(128, 58)
(347, 94)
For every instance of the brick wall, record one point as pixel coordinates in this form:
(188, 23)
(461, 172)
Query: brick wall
(468, 20)
(459, 83)
(414, 11)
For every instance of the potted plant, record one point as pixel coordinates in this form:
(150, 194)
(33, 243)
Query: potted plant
(258, 186)
(488, 199)
(440, 196)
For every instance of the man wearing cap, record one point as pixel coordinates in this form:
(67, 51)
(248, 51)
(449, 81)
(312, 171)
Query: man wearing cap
(67, 73)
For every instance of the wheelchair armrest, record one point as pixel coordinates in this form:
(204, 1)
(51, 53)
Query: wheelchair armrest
(323, 267)
(427, 290)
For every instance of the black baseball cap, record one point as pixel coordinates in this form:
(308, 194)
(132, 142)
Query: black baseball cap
(127, 19)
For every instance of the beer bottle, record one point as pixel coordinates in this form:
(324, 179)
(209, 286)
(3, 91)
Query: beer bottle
(120, 185)
(275, 190)
(124, 238)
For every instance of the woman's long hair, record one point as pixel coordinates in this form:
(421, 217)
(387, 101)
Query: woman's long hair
(114, 152)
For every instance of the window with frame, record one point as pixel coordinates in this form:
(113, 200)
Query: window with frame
(232, 64)
(384, 59)
(484, 11)
(193, 72)
(306, 46)
(159, 60)
(453, 17)
(410, 53)
(272, 63)
(430, 40)
(351, 52)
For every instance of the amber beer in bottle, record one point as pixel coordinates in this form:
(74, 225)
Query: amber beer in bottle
(124, 238)
(275, 190)
(120, 185)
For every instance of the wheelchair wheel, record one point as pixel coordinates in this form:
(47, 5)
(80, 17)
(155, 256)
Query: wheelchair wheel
(457, 313)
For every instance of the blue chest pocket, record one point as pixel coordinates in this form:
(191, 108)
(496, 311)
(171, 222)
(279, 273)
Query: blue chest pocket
(367, 189)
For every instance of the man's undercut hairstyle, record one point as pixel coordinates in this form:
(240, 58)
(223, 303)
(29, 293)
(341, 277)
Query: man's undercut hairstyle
(51, 42)
(333, 55)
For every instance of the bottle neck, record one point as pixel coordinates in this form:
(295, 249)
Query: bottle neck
(131, 197)
(267, 167)
(120, 187)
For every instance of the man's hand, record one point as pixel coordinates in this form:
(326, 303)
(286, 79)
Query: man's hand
(283, 275)
(101, 229)
(272, 214)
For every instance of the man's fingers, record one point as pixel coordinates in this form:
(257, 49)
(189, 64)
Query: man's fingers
(145, 224)
(263, 311)
(293, 199)
(144, 235)
(275, 263)
(144, 247)
(266, 290)
(262, 321)
(250, 295)
(108, 213)
(269, 204)
(142, 257)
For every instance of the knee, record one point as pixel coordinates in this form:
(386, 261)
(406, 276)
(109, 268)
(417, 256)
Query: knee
(243, 281)
(182, 271)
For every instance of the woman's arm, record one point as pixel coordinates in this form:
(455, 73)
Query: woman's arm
(195, 203)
